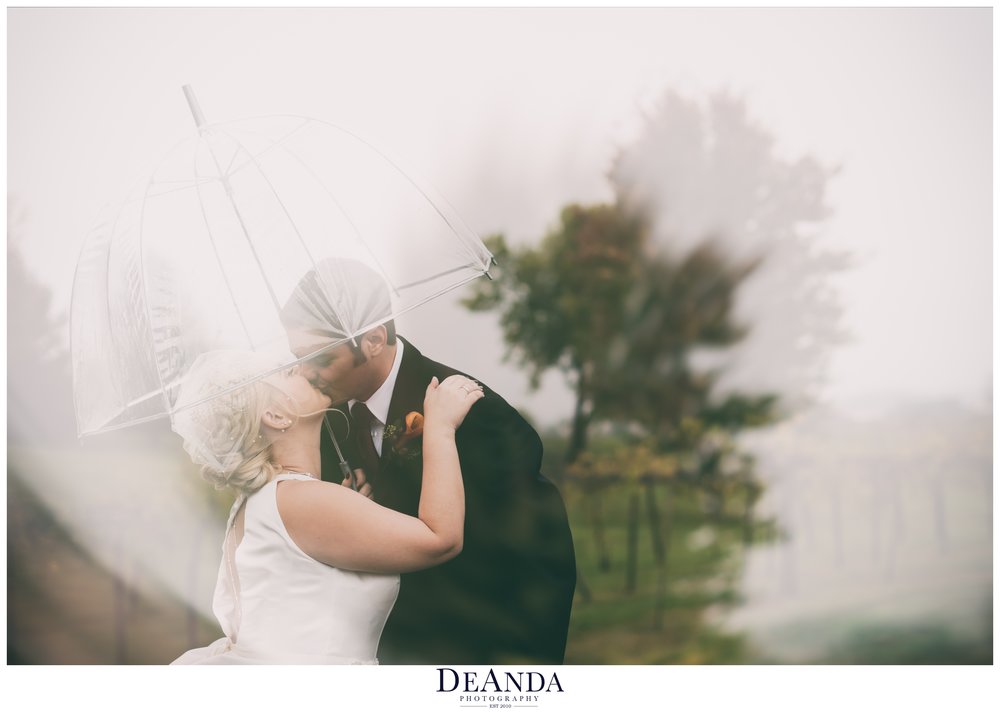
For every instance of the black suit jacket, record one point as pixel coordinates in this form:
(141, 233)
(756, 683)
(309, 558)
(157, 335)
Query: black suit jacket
(507, 597)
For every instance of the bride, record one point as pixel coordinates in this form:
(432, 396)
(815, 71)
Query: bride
(310, 569)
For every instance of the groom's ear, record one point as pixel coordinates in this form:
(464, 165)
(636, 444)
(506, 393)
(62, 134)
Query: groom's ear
(374, 341)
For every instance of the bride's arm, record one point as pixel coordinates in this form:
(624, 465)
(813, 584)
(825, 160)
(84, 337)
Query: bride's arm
(341, 528)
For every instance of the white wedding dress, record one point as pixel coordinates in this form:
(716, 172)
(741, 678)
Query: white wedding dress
(278, 605)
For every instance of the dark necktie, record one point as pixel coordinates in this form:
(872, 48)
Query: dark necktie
(362, 421)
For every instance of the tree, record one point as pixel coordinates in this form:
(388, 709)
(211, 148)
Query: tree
(620, 320)
(561, 303)
(647, 306)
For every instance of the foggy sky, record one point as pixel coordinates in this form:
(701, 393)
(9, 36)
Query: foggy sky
(512, 113)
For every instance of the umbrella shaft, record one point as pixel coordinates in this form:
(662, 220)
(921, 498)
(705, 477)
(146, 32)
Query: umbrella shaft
(344, 467)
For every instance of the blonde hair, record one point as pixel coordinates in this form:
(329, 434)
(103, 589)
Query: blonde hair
(221, 427)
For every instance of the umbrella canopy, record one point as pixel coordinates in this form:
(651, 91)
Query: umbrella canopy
(207, 251)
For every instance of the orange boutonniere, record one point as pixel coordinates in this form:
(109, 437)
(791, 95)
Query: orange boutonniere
(414, 427)
(405, 436)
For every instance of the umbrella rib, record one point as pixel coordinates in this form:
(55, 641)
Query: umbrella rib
(470, 250)
(357, 233)
(279, 143)
(340, 207)
(435, 276)
(137, 401)
(145, 296)
(107, 285)
(284, 209)
(243, 227)
(411, 182)
(370, 325)
(72, 307)
(154, 187)
(218, 257)
(188, 181)
(274, 144)
(121, 426)
(181, 187)
(438, 293)
(107, 278)
(230, 389)
(130, 423)
(291, 222)
(232, 160)
(142, 281)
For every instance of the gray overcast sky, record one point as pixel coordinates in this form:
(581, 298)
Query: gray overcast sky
(513, 113)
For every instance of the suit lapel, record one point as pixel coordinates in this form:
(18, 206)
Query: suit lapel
(399, 487)
(411, 384)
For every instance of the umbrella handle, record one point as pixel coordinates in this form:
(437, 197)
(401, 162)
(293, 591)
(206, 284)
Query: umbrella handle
(348, 474)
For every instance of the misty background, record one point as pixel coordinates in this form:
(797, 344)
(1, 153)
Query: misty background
(847, 149)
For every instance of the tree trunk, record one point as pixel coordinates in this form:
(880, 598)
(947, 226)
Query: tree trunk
(632, 553)
(659, 553)
(597, 526)
(581, 421)
(655, 533)
(751, 500)
(714, 501)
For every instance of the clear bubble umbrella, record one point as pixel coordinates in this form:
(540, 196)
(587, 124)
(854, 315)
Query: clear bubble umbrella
(205, 253)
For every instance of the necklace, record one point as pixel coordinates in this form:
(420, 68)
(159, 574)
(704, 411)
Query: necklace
(286, 471)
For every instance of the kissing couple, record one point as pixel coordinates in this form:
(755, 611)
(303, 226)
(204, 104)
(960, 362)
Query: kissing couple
(444, 544)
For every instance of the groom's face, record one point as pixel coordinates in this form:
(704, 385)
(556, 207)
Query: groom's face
(334, 372)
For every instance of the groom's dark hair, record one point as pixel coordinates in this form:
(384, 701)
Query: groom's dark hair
(338, 288)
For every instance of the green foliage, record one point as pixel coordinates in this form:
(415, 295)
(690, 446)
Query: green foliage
(631, 462)
(621, 321)
(561, 302)
(673, 308)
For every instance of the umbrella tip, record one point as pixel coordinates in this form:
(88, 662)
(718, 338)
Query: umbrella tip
(199, 117)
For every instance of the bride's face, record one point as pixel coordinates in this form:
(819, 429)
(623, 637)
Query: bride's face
(298, 396)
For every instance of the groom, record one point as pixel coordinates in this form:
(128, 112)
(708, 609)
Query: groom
(506, 598)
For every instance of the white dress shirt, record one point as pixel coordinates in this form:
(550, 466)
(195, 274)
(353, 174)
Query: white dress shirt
(379, 402)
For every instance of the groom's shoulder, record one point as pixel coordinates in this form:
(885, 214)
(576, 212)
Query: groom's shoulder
(427, 366)
(492, 407)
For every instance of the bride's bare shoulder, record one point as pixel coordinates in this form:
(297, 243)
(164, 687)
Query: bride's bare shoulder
(322, 519)
(312, 502)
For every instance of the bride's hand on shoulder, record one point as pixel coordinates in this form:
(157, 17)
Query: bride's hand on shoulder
(447, 403)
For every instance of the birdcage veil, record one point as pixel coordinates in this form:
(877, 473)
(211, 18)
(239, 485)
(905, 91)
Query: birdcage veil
(221, 400)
